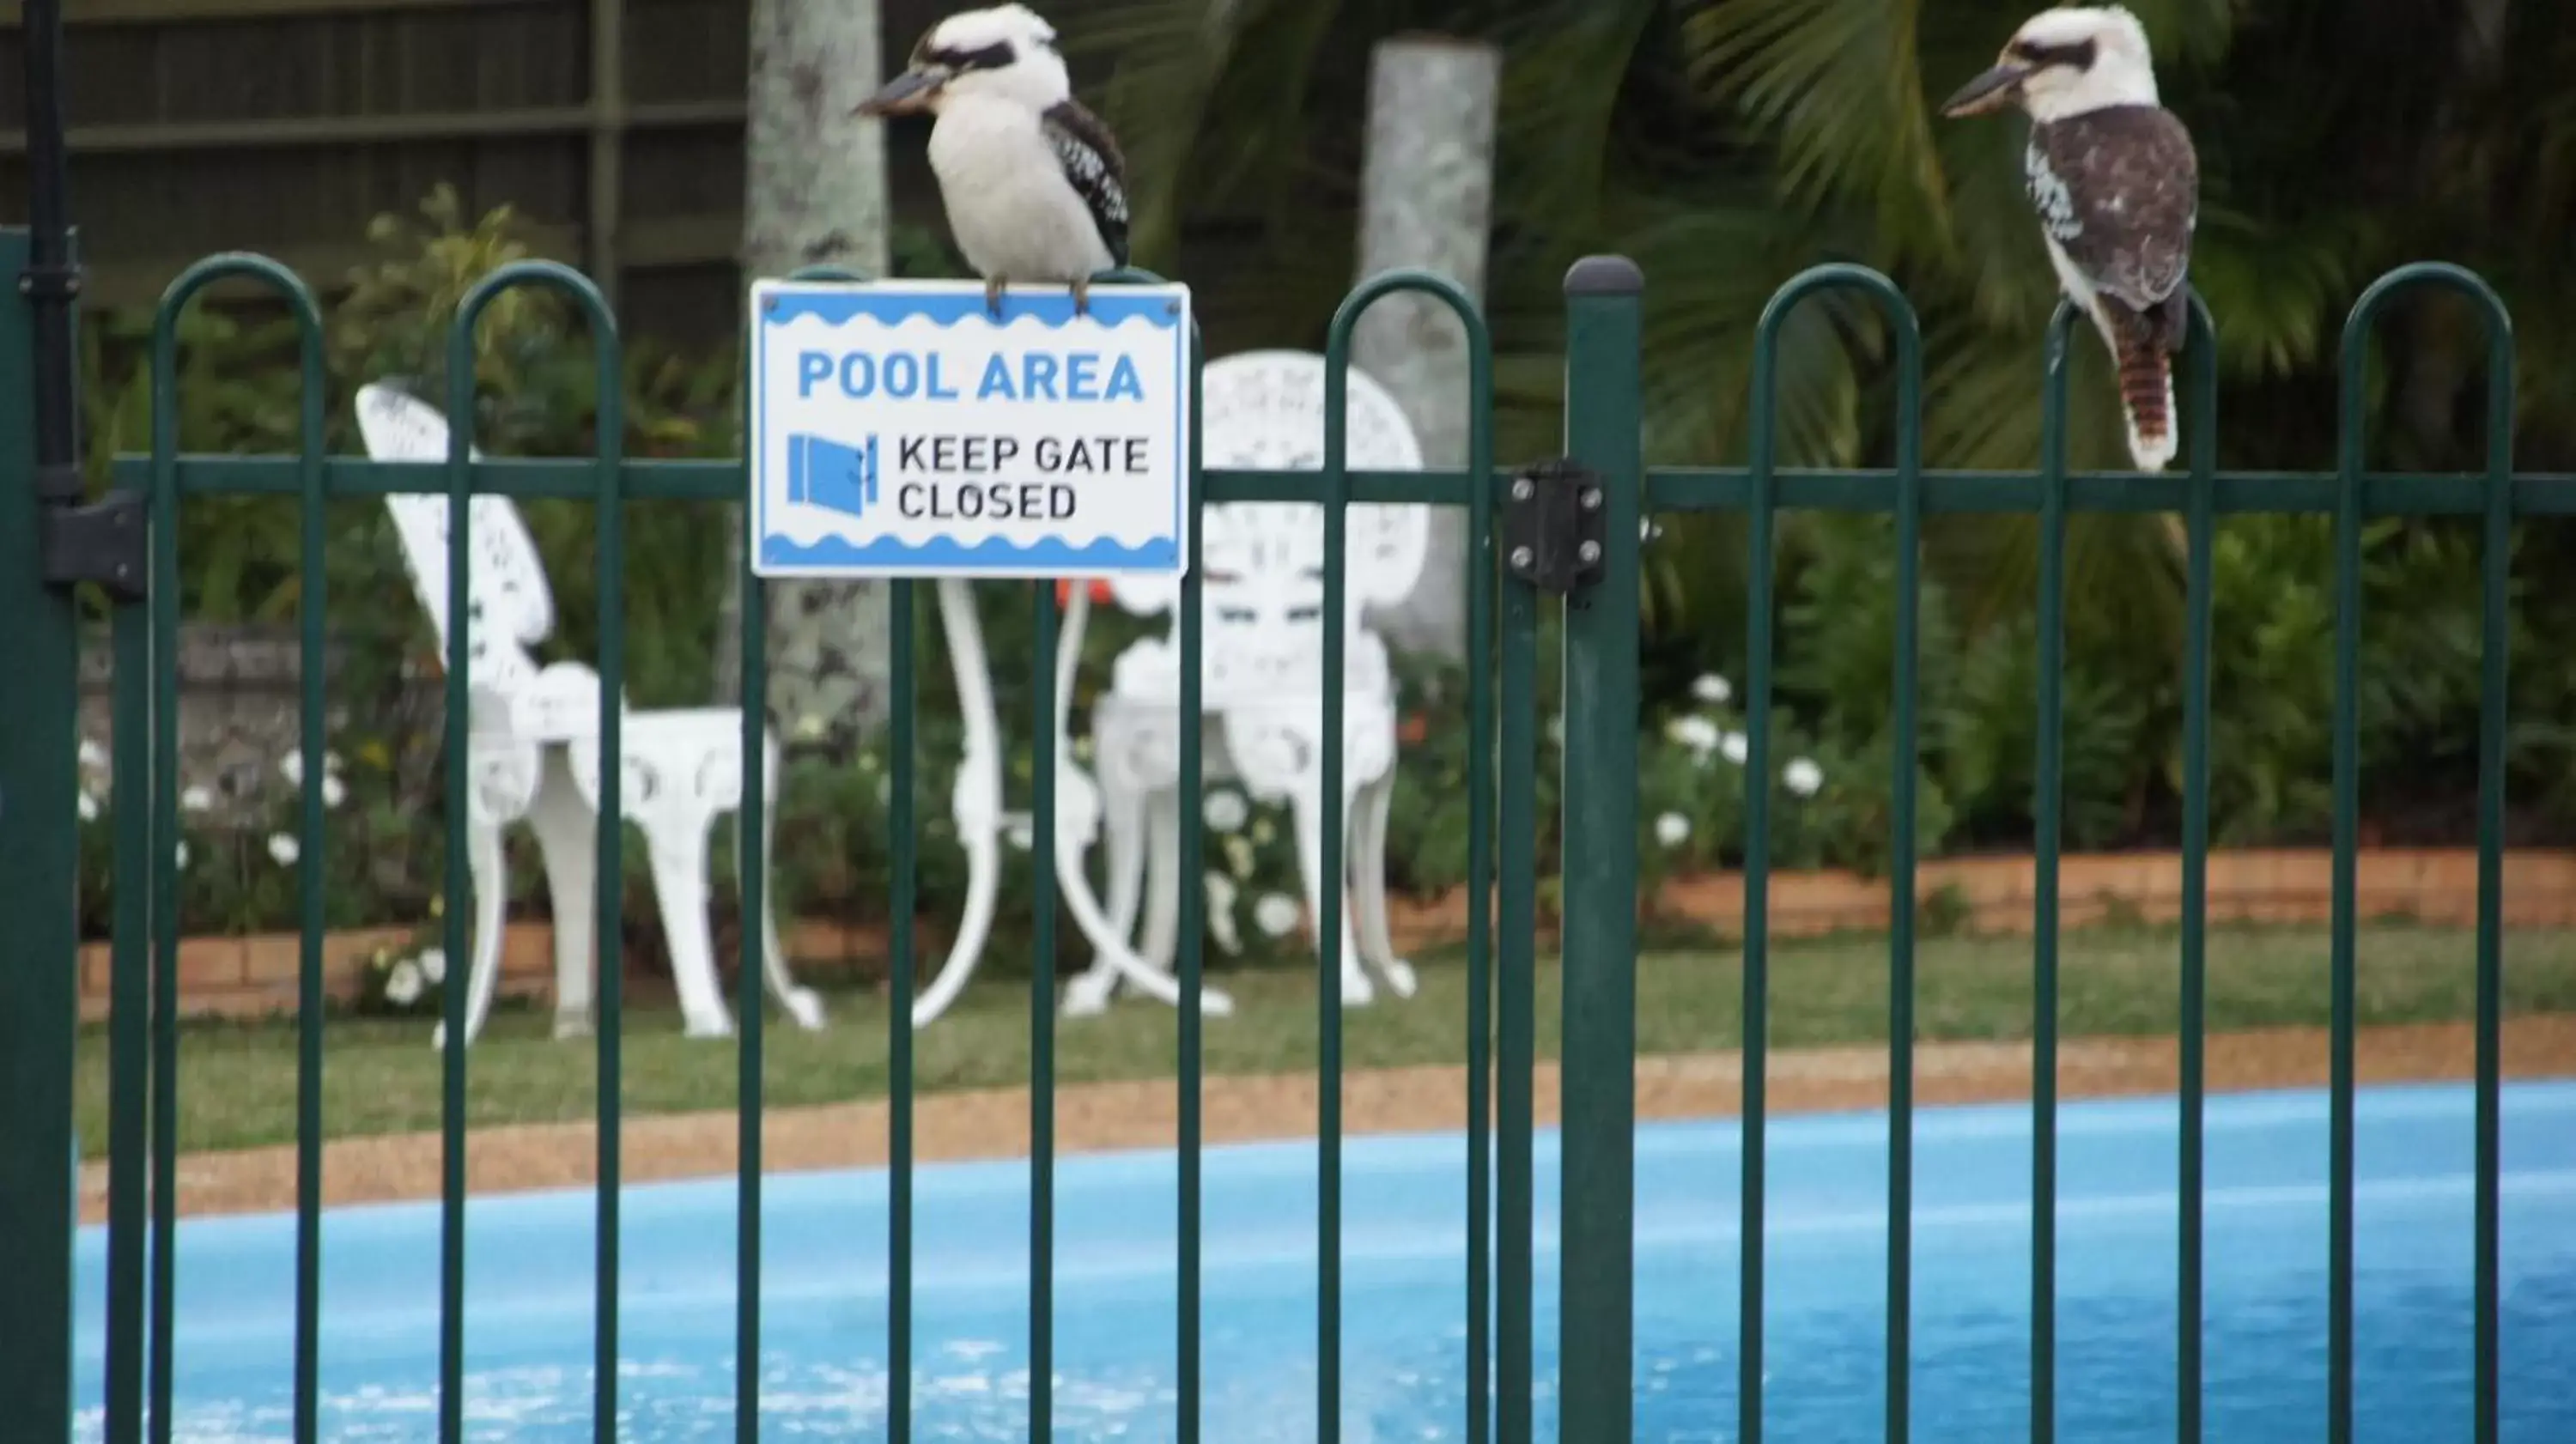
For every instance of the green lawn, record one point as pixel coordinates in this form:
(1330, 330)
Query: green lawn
(237, 1081)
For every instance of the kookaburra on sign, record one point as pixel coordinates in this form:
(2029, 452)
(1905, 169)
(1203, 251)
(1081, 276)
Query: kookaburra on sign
(1033, 183)
(2117, 186)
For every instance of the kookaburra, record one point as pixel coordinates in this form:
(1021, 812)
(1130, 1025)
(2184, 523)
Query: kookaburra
(2117, 186)
(1033, 183)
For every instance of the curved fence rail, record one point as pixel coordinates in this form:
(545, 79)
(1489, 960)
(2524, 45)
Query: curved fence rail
(1595, 1242)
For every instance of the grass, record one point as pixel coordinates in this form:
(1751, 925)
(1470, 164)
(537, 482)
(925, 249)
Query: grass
(237, 1080)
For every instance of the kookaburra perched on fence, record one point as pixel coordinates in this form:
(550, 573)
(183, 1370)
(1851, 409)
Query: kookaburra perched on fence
(1033, 183)
(2117, 186)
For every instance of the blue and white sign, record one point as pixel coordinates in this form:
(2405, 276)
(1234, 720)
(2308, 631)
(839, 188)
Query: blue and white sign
(897, 430)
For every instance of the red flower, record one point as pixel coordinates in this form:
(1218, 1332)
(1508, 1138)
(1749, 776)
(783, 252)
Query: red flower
(1416, 728)
(1099, 589)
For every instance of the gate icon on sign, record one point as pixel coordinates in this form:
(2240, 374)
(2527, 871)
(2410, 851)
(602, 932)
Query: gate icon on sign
(833, 475)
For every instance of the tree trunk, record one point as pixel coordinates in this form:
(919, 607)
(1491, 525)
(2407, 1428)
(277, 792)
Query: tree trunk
(1426, 200)
(814, 195)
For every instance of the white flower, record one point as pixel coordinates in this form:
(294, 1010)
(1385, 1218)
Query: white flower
(433, 966)
(1221, 893)
(1698, 734)
(1224, 810)
(1263, 834)
(291, 767)
(1734, 746)
(92, 755)
(1672, 829)
(88, 806)
(1019, 830)
(1711, 688)
(284, 847)
(809, 727)
(1803, 776)
(181, 853)
(334, 791)
(402, 985)
(1238, 857)
(1276, 914)
(196, 799)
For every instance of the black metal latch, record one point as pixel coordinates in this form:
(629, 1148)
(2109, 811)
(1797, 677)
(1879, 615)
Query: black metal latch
(103, 542)
(1555, 526)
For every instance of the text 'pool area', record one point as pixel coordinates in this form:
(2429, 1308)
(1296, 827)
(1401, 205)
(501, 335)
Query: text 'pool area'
(1404, 1342)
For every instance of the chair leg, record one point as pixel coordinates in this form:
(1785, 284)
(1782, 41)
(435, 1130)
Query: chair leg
(679, 850)
(1123, 850)
(1368, 884)
(1163, 878)
(491, 897)
(1307, 802)
(799, 1003)
(983, 886)
(567, 831)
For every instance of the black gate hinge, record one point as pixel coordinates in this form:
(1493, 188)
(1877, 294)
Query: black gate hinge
(102, 542)
(1555, 526)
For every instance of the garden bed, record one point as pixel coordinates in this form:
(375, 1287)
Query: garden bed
(257, 975)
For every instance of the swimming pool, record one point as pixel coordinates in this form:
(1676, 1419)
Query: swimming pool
(823, 1376)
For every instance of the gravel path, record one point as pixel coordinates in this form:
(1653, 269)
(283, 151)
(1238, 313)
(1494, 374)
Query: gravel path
(994, 1123)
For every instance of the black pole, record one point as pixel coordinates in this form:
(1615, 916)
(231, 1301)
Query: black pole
(51, 282)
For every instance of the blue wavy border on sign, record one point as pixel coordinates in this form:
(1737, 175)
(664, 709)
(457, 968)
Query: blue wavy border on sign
(1048, 308)
(1021, 557)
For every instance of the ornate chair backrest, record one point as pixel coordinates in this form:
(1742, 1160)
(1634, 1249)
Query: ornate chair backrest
(508, 606)
(1263, 589)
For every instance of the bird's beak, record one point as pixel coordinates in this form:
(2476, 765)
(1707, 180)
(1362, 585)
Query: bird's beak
(1987, 91)
(906, 94)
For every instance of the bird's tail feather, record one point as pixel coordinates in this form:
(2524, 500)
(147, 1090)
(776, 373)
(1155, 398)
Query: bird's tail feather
(2147, 398)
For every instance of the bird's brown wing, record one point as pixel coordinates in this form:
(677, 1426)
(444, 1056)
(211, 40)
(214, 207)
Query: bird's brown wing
(2119, 191)
(1095, 169)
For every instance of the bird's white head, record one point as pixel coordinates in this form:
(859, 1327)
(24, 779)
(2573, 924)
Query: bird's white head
(1006, 52)
(2065, 62)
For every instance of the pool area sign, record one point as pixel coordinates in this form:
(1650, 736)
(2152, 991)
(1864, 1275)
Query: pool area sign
(898, 430)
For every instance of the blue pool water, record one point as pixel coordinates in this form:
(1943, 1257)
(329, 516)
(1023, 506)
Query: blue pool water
(823, 1366)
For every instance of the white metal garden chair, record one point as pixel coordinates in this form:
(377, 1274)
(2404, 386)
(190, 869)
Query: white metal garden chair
(1262, 593)
(532, 752)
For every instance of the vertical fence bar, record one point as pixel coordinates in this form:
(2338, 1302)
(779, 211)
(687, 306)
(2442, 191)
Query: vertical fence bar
(2048, 818)
(2495, 633)
(39, 877)
(155, 806)
(1900, 873)
(1603, 405)
(901, 827)
(1192, 941)
(1042, 729)
(129, 1020)
(1516, 907)
(1761, 517)
(454, 895)
(2347, 803)
(751, 845)
(2189, 1173)
(163, 800)
(609, 879)
(311, 599)
(2495, 580)
(1336, 497)
(1480, 881)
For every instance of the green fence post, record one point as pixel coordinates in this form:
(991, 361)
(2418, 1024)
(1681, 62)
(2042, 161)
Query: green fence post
(1602, 304)
(39, 949)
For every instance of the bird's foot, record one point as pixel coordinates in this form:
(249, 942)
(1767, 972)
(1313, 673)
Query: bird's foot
(1082, 296)
(993, 294)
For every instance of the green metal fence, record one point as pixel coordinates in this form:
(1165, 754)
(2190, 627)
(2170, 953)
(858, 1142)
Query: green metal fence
(1523, 525)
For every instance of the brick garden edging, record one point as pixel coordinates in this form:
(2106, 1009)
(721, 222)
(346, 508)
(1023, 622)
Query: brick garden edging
(248, 976)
